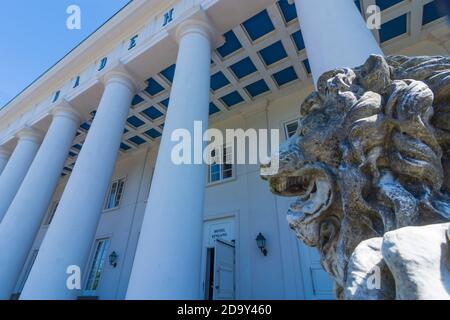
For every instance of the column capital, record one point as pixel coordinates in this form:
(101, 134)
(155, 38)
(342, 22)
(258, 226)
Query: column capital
(201, 24)
(31, 134)
(65, 109)
(120, 74)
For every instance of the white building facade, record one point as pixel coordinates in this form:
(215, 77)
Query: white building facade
(87, 185)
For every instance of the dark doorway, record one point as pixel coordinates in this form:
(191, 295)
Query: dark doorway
(209, 283)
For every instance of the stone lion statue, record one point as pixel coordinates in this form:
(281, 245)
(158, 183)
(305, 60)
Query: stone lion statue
(369, 167)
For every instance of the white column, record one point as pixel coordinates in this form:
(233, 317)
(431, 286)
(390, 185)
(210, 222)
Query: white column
(25, 214)
(4, 156)
(168, 257)
(17, 166)
(335, 35)
(71, 234)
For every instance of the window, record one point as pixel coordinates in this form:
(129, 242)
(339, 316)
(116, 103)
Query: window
(98, 263)
(290, 128)
(51, 213)
(220, 170)
(115, 194)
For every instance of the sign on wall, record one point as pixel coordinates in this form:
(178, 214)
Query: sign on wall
(223, 229)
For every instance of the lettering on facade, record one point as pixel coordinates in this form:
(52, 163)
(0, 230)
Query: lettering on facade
(168, 17)
(219, 234)
(133, 42)
(103, 63)
(77, 82)
(56, 96)
(221, 230)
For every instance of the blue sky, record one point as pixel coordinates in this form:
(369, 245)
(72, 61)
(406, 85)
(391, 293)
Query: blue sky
(34, 36)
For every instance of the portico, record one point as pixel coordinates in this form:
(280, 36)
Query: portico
(193, 61)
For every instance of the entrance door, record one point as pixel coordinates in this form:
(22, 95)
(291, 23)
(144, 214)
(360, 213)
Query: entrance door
(224, 270)
(218, 259)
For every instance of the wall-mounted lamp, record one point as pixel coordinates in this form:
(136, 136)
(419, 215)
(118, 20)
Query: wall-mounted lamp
(261, 243)
(113, 259)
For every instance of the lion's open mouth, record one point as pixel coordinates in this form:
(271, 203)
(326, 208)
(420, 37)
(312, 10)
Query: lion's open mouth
(296, 185)
(315, 200)
(312, 187)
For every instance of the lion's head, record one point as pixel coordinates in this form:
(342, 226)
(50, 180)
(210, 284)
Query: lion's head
(371, 155)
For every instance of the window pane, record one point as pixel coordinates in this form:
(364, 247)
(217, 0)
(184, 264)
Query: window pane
(111, 197)
(215, 173)
(227, 171)
(97, 264)
(119, 193)
(228, 155)
(227, 174)
(221, 167)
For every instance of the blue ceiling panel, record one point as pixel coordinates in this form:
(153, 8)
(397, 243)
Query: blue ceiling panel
(259, 25)
(358, 5)
(243, 68)
(169, 73)
(135, 122)
(85, 126)
(136, 100)
(231, 45)
(165, 102)
(153, 87)
(273, 53)
(285, 76)
(298, 40)
(384, 4)
(152, 133)
(218, 81)
(307, 65)
(232, 99)
(257, 88)
(393, 28)
(431, 12)
(124, 147)
(152, 113)
(137, 140)
(213, 109)
(288, 10)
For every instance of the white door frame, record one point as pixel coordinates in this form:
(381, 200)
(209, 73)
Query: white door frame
(205, 245)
